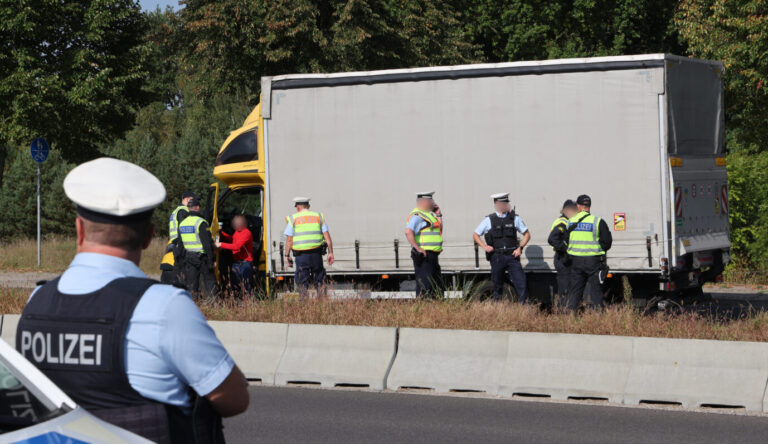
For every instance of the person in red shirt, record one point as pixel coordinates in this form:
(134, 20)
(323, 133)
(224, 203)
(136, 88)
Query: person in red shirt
(241, 245)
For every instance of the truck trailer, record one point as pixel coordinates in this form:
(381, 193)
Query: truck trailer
(642, 135)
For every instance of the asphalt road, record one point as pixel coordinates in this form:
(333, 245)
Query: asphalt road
(308, 415)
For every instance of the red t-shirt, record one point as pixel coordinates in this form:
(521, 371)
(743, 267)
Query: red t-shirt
(241, 244)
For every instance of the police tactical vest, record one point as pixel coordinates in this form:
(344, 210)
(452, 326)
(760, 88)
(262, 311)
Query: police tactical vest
(189, 231)
(78, 341)
(584, 239)
(430, 238)
(503, 235)
(307, 230)
(173, 223)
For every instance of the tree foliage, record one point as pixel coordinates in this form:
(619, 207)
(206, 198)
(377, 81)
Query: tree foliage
(72, 72)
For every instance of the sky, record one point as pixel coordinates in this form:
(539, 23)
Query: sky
(150, 5)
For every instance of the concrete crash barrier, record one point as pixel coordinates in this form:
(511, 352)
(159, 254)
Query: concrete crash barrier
(449, 360)
(698, 372)
(256, 347)
(566, 366)
(333, 355)
(9, 324)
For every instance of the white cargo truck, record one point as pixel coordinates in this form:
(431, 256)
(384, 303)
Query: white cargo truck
(642, 135)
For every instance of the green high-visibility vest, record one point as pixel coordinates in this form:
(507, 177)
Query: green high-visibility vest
(307, 230)
(584, 239)
(173, 223)
(430, 238)
(189, 230)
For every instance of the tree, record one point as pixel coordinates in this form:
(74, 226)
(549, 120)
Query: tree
(531, 30)
(70, 71)
(735, 33)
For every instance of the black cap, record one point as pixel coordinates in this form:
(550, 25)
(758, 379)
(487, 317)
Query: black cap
(194, 202)
(584, 200)
(188, 193)
(569, 204)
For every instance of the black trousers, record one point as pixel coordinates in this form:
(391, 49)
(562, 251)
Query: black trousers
(309, 269)
(584, 275)
(429, 276)
(563, 268)
(198, 268)
(501, 264)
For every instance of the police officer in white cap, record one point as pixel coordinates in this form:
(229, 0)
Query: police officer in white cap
(424, 231)
(497, 235)
(307, 237)
(132, 351)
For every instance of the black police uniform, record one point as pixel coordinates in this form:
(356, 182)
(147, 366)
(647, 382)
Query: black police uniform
(428, 274)
(558, 239)
(197, 266)
(78, 341)
(584, 273)
(503, 238)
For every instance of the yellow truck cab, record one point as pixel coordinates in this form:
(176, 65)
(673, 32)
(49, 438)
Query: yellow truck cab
(240, 168)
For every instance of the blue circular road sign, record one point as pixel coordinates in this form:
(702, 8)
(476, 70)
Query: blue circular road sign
(39, 150)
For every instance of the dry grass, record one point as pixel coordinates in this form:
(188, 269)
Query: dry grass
(615, 320)
(57, 253)
(454, 314)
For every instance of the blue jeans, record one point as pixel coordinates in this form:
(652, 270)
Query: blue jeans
(241, 276)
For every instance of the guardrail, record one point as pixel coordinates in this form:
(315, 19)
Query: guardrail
(629, 370)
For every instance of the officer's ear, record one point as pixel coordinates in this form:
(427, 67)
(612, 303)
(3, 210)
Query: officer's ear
(80, 229)
(149, 236)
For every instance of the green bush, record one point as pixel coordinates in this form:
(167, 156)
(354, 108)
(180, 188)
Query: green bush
(748, 200)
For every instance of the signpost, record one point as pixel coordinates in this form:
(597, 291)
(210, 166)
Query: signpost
(39, 151)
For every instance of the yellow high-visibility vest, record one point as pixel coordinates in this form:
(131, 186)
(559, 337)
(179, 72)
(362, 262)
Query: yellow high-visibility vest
(430, 238)
(585, 239)
(189, 231)
(173, 223)
(307, 230)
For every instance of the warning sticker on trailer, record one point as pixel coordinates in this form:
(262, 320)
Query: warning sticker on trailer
(619, 221)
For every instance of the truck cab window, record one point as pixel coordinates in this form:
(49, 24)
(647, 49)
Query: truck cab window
(243, 148)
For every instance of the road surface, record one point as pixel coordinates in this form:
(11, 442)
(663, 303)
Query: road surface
(309, 415)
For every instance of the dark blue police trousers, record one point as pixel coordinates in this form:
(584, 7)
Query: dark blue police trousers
(501, 264)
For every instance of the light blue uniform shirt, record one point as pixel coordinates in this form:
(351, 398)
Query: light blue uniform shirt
(169, 346)
(485, 225)
(289, 227)
(416, 223)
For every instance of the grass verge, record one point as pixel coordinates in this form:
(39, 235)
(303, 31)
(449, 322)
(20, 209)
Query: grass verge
(56, 254)
(451, 314)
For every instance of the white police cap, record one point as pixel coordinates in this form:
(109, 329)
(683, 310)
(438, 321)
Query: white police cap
(425, 195)
(301, 200)
(500, 197)
(113, 191)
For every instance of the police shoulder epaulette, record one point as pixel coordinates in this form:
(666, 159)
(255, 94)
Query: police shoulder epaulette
(42, 282)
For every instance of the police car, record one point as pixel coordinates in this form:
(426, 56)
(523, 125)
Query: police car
(34, 411)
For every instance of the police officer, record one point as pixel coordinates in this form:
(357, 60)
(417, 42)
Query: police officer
(307, 236)
(588, 242)
(424, 231)
(558, 239)
(134, 352)
(497, 235)
(199, 255)
(167, 265)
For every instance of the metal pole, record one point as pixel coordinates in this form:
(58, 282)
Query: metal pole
(38, 215)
